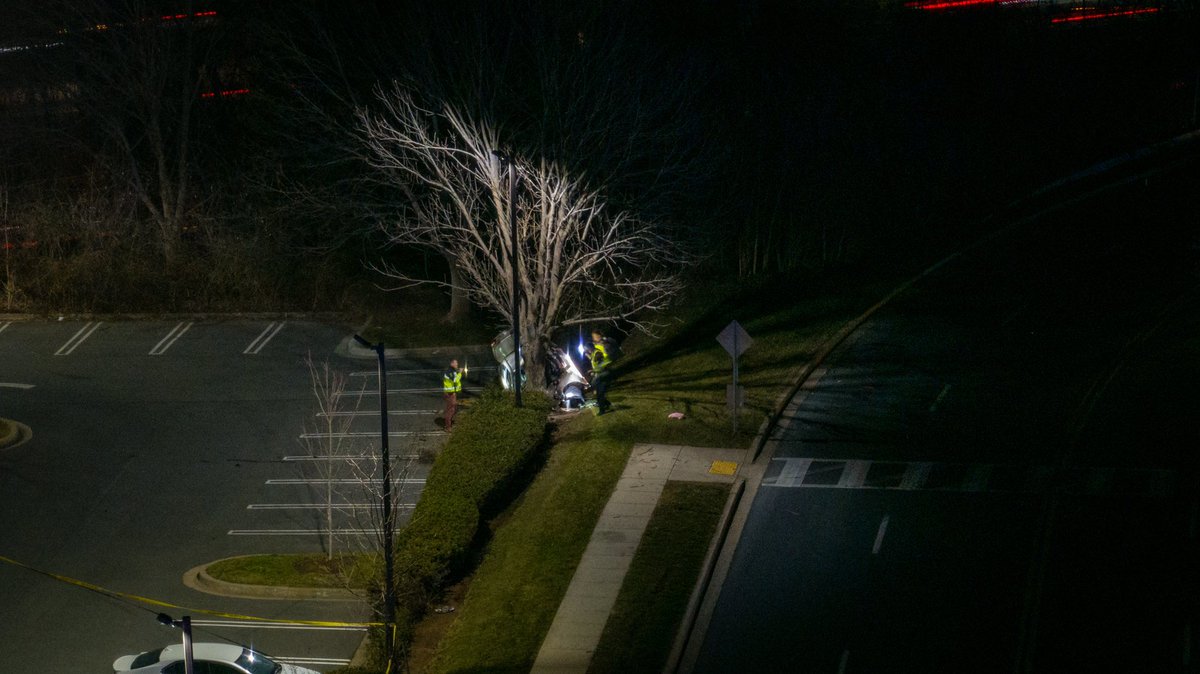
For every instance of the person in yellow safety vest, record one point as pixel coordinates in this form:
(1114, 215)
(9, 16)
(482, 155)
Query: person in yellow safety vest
(600, 374)
(451, 387)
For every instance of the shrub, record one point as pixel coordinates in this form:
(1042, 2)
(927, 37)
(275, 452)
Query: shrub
(476, 474)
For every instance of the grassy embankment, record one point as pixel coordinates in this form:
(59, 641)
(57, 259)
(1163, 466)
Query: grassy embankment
(512, 598)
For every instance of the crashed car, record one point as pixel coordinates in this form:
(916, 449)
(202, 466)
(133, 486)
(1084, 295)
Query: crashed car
(562, 371)
(210, 658)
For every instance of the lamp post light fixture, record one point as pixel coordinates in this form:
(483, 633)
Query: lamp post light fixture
(189, 665)
(506, 160)
(389, 513)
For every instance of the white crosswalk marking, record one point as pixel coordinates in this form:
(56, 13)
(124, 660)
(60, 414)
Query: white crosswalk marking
(979, 477)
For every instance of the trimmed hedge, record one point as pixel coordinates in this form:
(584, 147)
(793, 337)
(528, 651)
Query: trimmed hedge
(477, 473)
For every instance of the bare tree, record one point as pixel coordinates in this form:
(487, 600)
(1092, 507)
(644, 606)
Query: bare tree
(349, 467)
(578, 261)
(140, 74)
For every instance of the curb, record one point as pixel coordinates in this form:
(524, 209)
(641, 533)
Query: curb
(17, 435)
(197, 578)
(10, 437)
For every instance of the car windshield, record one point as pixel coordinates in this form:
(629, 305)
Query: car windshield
(256, 663)
(146, 659)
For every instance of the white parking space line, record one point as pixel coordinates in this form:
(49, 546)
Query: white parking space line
(297, 481)
(265, 336)
(375, 413)
(940, 397)
(347, 457)
(303, 532)
(72, 343)
(368, 434)
(883, 525)
(316, 661)
(322, 506)
(375, 373)
(166, 342)
(4, 325)
(24, 387)
(277, 625)
(844, 661)
(405, 390)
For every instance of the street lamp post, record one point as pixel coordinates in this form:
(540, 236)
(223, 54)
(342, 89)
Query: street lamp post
(189, 665)
(516, 296)
(389, 513)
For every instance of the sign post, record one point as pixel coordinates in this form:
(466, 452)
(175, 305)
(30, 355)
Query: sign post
(736, 340)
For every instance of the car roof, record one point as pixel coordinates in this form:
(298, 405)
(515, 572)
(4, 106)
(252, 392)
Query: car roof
(203, 651)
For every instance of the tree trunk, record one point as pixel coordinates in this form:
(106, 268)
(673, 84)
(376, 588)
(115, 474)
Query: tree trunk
(460, 302)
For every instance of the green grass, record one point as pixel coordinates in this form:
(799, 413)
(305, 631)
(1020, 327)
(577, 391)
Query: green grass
(516, 589)
(518, 586)
(646, 616)
(310, 570)
(684, 369)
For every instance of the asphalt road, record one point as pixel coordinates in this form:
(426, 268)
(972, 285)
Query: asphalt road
(159, 446)
(997, 473)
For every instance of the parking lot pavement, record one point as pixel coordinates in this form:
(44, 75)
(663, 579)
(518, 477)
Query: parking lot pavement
(154, 441)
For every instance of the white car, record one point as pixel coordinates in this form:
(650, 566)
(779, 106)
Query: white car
(208, 659)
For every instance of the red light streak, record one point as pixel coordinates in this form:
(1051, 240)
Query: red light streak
(947, 4)
(225, 93)
(1088, 15)
(197, 15)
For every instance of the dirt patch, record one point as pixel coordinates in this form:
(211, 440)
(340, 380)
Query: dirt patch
(429, 631)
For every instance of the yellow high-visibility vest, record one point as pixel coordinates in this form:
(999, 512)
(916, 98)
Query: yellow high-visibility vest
(452, 381)
(600, 359)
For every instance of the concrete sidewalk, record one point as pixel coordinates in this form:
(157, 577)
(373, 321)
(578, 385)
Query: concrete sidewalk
(584, 610)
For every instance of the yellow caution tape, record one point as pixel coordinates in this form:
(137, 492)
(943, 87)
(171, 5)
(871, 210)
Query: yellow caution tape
(154, 602)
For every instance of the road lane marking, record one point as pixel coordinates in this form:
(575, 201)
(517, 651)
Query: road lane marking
(322, 506)
(879, 534)
(12, 385)
(265, 336)
(278, 625)
(166, 342)
(854, 474)
(796, 472)
(940, 397)
(915, 475)
(79, 337)
(792, 473)
(977, 477)
(4, 325)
